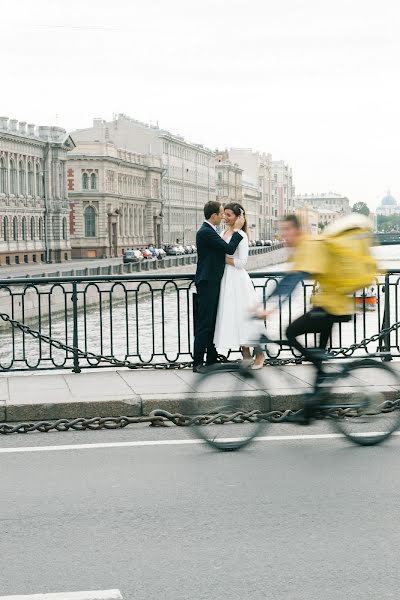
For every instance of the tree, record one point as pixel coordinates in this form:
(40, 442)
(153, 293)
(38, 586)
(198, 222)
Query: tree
(361, 207)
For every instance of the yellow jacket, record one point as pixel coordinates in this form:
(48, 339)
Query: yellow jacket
(311, 256)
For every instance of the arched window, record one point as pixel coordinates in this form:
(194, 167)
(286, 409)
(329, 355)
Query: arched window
(64, 228)
(24, 228)
(13, 177)
(3, 176)
(40, 228)
(90, 222)
(15, 228)
(93, 181)
(33, 228)
(22, 180)
(5, 229)
(30, 180)
(85, 181)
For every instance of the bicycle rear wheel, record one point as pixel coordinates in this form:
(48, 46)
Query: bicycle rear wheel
(229, 400)
(364, 401)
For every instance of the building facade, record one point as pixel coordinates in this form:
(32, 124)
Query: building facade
(34, 212)
(251, 204)
(389, 206)
(283, 196)
(330, 201)
(188, 179)
(115, 200)
(309, 219)
(228, 179)
(257, 169)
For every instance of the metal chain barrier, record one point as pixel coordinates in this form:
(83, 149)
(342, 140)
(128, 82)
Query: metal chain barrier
(161, 417)
(97, 358)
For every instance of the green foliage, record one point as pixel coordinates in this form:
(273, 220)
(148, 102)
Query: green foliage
(361, 207)
(388, 223)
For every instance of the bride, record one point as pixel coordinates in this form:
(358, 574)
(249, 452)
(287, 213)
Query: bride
(237, 295)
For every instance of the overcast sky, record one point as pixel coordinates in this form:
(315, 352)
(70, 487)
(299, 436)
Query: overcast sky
(314, 82)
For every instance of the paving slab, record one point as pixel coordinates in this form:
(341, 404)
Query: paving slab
(61, 395)
(147, 382)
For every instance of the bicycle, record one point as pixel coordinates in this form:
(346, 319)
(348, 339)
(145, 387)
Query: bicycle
(361, 398)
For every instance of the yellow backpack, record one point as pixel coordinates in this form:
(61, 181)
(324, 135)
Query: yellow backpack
(350, 265)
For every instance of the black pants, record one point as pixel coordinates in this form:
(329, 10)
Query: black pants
(316, 320)
(206, 314)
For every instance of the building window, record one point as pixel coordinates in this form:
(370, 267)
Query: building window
(85, 181)
(37, 178)
(54, 228)
(125, 221)
(30, 179)
(24, 228)
(90, 222)
(5, 229)
(93, 181)
(3, 176)
(131, 221)
(22, 186)
(40, 180)
(15, 228)
(64, 228)
(60, 181)
(33, 228)
(13, 177)
(40, 228)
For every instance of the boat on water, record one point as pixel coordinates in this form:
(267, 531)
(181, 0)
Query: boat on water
(366, 299)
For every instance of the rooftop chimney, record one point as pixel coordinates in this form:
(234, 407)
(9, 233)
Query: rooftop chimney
(31, 129)
(22, 127)
(44, 132)
(4, 123)
(13, 124)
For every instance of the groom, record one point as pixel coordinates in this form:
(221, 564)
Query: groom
(211, 251)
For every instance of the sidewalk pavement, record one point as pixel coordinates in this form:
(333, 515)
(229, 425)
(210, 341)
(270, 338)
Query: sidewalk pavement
(123, 392)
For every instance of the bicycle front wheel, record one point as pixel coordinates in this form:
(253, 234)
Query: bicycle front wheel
(229, 404)
(364, 401)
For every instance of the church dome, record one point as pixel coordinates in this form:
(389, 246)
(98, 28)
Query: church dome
(388, 200)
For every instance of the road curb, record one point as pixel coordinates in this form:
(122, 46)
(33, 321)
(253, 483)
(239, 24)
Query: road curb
(184, 403)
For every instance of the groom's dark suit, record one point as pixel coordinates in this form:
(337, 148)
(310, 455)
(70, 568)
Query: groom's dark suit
(211, 251)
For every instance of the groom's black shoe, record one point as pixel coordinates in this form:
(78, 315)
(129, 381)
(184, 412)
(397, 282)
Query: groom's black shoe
(199, 368)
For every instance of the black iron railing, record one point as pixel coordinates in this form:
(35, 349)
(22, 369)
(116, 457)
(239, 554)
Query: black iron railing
(148, 320)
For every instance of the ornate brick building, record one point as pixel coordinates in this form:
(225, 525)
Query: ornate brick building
(34, 206)
(115, 200)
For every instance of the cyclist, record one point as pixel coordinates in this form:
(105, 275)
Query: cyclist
(330, 305)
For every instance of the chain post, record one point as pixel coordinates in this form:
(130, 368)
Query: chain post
(76, 368)
(386, 318)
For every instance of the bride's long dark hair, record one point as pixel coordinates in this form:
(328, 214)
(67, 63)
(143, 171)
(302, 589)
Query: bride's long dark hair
(238, 209)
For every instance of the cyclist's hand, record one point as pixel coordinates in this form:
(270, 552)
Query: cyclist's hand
(259, 312)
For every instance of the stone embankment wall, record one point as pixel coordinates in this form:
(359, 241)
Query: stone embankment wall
(34, 301)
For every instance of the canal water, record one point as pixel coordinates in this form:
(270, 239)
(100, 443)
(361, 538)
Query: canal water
(150, 322)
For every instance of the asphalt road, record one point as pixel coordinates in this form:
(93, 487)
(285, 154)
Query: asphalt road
(300, 519)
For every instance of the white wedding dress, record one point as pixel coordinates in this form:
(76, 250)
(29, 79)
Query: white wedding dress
(233, 327)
